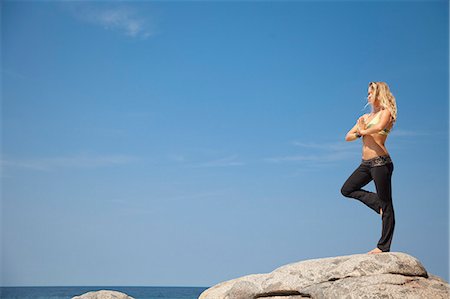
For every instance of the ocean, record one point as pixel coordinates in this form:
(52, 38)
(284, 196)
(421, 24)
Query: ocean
(69, 292)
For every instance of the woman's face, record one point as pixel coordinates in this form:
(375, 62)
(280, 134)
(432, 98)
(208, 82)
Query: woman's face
(370, 96)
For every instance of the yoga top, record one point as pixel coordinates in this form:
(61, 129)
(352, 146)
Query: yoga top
(374, 121)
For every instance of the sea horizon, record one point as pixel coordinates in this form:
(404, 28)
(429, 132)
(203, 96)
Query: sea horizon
(137, 286)
(137, 292)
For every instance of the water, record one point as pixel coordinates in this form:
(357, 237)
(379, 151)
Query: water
(69, 292)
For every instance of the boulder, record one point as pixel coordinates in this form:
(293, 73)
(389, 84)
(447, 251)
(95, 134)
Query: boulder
(384, 275)
(103, 294)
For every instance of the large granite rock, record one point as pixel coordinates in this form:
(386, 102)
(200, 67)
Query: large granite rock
(103, 294)
(384, 275)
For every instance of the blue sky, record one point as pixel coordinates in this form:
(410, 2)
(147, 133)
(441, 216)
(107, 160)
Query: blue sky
(188, 143)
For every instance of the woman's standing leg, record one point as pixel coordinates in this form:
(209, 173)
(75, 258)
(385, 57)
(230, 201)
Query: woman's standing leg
(382, 176)
(352, 188)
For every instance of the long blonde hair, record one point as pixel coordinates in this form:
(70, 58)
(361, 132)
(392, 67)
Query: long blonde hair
(383, 94)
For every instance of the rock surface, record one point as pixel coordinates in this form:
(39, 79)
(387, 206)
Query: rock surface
(103, 294)
(384, 275)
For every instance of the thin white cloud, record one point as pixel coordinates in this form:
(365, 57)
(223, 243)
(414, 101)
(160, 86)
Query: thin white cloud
(75, 161)
(406, 133)
(121, 18)
(195, 196)
(342, 145)
(199, 157)
(145, 206)
(177, 158)
(323, 157)
(162, 198)
(326, 152)
(222, 162)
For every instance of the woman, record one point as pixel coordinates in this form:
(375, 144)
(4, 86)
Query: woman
(376, 163)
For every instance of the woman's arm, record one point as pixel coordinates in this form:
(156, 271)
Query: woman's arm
(384, 120)
(351, 135)
(354, 132)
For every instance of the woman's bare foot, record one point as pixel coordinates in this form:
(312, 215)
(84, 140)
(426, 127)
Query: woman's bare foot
(376, 250)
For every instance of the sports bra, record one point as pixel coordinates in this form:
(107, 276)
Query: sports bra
(374, 121)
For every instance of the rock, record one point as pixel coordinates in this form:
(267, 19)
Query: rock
(384, 275)
(103, 294)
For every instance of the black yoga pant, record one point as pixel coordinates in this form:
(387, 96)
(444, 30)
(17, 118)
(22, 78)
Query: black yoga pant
(381, 175)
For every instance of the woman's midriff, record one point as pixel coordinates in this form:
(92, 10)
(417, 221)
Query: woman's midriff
(373, 147)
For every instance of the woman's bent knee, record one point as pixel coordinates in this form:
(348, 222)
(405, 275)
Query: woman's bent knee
(346, 191)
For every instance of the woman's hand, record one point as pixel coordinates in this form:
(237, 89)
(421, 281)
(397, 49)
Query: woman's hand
(361, 125)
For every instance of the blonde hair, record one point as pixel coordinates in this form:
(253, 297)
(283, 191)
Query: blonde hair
(385, 97)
